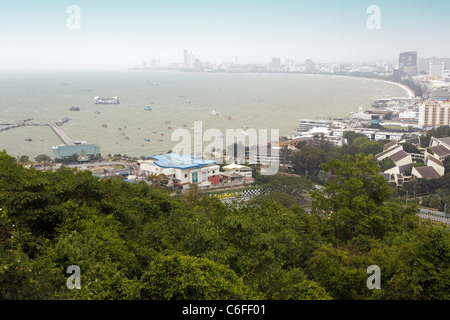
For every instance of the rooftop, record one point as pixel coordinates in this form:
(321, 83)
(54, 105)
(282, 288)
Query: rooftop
(379, 155)
(399, 155)
(440, 150)
(234, 166)
(433, 159)
(414, 140)
(389, 145)
(427, 172)
(176, 161)
(444, 140)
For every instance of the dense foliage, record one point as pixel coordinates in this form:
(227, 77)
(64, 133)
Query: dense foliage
(133, 241)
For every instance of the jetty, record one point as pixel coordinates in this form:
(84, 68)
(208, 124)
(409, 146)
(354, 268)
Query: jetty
(16, 124)
(62, 135)
(27, 122)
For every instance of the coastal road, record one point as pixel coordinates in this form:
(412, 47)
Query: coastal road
(99, 164)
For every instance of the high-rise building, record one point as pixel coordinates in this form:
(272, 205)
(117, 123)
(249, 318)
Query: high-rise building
(434, 114)
(275, 63)
(189, 60)
(408, 63)
(436, 69)
(424, 63)
(310, 66)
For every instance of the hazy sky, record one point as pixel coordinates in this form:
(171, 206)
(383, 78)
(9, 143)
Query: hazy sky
(34, 34)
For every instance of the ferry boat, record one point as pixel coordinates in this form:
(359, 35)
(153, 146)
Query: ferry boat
(113, 100)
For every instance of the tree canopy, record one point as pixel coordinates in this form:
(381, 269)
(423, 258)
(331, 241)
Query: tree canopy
(136, 241)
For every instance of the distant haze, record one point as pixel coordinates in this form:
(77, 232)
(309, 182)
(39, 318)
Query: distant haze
(34, 34)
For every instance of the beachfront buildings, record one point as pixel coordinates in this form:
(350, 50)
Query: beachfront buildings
(183, 170)
(308, 124)
(236, 173)
(434, 114)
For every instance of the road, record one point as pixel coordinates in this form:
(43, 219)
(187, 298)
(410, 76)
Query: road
(434, 215)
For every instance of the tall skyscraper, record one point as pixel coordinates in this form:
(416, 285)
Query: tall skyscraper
(408, 63)
(310, 66)
(189, 60)
(436, 69)
(275, 63)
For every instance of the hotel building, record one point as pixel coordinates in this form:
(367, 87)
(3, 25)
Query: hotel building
(434, 114)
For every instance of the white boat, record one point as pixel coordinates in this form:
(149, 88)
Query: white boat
(215, 113)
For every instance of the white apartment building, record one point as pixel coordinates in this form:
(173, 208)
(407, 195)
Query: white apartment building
(434, 114)
(181, 170)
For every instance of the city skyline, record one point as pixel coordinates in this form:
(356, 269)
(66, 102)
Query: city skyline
(123, 34)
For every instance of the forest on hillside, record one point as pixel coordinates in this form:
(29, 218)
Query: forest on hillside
(135, 241)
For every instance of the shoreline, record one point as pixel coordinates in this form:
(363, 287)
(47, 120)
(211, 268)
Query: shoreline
(409, 91)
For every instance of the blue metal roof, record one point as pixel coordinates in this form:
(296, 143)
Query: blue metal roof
(176, 161)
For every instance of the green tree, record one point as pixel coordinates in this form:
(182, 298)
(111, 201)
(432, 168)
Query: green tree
(386, 164)
(308, 159)
(415, 265)
(179, 277)
(352, 135)
(42, 158)
(410, 148)
(371, 147)
(355, 199)
(446, 163)
(24, 159)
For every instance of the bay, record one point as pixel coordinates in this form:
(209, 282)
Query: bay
(257, 100)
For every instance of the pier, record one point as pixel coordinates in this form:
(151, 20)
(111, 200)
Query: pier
(15, 124)
(27, 122)
(63, 136)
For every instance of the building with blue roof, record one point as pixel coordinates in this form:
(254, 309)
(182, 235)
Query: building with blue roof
(182, 170)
